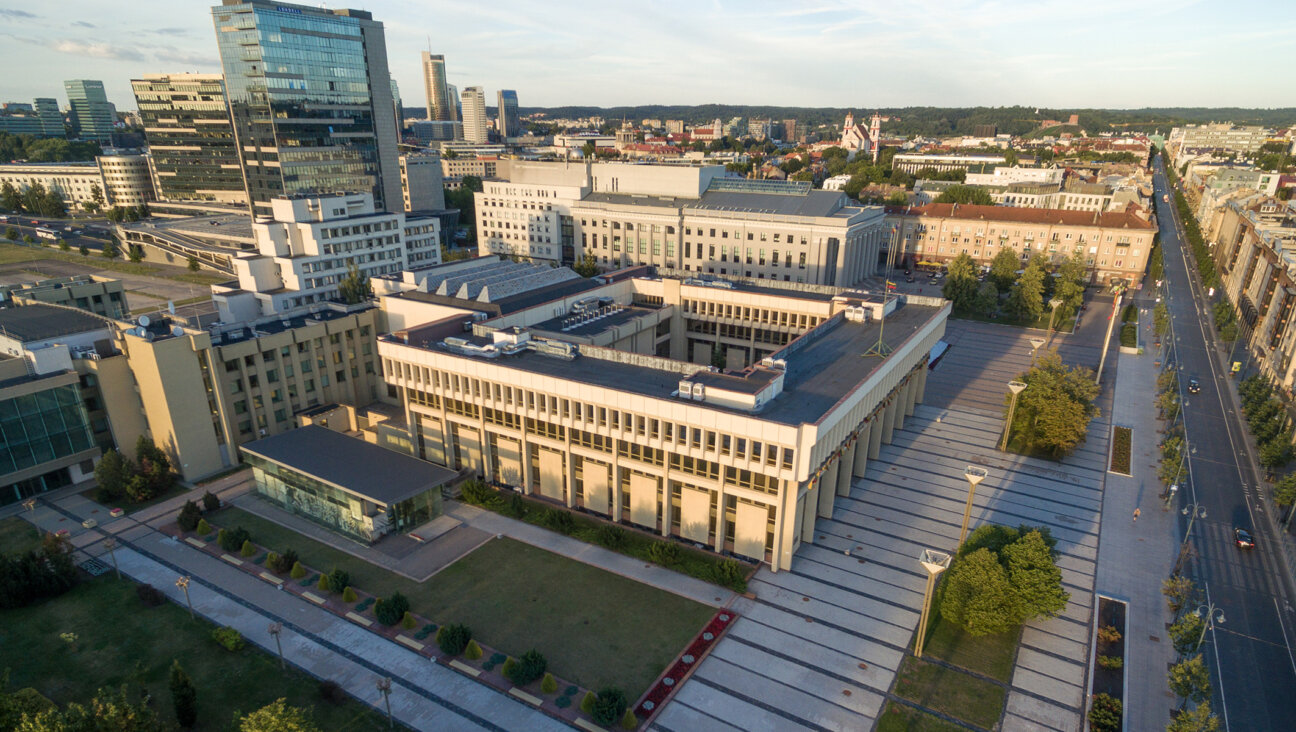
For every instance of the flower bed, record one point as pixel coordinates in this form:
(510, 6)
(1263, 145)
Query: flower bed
(1121, 445)
(677, 673)
(487, 669)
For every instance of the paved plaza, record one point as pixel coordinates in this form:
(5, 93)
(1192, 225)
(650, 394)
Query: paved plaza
(819, 646)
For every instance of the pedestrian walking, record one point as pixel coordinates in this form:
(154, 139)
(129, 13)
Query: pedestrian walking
(1136, 513)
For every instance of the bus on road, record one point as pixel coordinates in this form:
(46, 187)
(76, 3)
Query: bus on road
(47, 233)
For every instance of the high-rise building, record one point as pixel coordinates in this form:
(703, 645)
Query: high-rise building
(50, 116)
(474, 114)
(311, 101)
(509, 125)
(439, 106)
(92, 114)
(399, 108)
(191, 140)
(452, 93)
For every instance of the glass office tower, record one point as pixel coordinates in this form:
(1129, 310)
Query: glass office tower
(92, 115)
(311, 101)
(190, 138)
(509, 124)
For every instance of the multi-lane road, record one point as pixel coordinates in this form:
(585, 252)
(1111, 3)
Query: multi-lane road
(90, 233)
(1250, 653)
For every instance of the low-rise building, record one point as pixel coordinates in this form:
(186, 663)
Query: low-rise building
(92, 293)
(120, 180)
(912, 163)
(1115, 244)
(422, 182)
(607, 401)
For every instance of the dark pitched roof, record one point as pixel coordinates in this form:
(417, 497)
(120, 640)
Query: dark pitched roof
(38, 322)
(381, 475)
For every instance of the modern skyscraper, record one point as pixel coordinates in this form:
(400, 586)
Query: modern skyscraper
(474, 115)
(509, 125)
(92, 114)
(50, 116)
(452, 94)
(311, 101)
(439, 106)
(190, 137)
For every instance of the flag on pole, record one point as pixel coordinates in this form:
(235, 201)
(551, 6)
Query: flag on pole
(890, 285)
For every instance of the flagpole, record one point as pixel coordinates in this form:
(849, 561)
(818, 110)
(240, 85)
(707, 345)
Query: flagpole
(881, 349)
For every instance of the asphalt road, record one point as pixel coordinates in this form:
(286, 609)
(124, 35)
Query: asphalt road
(1250, 652)
(91, 238)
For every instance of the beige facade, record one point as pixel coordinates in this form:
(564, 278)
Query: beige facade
(99, 295)
(459, 167)
(1116, 245)
(127, 179)
(607, 407)
(122, 180)
(204, 394)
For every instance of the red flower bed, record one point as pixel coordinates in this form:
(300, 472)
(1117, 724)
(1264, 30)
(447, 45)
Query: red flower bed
(675, 675)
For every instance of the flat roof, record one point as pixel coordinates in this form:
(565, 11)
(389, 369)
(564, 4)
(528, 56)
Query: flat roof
(568, 323)
(353, 465)
(818, 375)
(38, 322)
(813, 203)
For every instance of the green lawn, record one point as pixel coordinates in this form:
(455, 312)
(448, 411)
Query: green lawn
(120, 641)
(17, 536)
(130, 506)
(900, 718)
(17, 253)
(958, 694)
(1062, 325)
(988, 655)
(594, 627)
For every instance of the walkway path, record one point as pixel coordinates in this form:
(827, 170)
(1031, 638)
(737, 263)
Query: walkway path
(426, 696)
(1135, 556)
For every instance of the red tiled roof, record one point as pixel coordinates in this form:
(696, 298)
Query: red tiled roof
(1109, 219)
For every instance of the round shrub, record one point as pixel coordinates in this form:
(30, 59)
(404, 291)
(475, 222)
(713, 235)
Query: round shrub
(587, 704)
(609, 706)
(629, 720)
(248, 549)
(189, 516)
(298, 571)
(231, 540)
(549, 684)
(204, 528)
(339, 579)
(210, 502)
(150, 595)
(472, 651)
(390, 610)
(228, 638)
(562, 702)
(665, 553)
(331, 692)
(527, 668)
(349, 595)
(452, 639)
(408, 622)
(271, 560)
(323, 585)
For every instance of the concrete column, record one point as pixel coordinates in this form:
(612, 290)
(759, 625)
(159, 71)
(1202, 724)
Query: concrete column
(808, 516)
(922, 384)
(875, 435)
(614, 490)
(900, 399)
(889, 420)
(847, 471)
(911, 395)
(862, 451)
(828, 488)
(664, 491)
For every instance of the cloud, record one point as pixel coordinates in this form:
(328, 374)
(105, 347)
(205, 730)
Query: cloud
(97, 50)
(83, 24)
(11, 13)
(178, 56)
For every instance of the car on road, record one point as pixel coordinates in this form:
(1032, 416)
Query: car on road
(1243, 539)
(909, 279)
(1194, 386)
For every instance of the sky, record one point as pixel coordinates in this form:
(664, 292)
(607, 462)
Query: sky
(823, 53)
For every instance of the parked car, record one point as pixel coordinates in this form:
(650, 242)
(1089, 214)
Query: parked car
(1194, 386)
(1243, 539)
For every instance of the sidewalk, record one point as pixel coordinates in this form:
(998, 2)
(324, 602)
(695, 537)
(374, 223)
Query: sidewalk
(1134, 557)
(426, 696)
(649, 574)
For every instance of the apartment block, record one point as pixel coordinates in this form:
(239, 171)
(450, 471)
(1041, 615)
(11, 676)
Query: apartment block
(1256, 245)
(1116, 245)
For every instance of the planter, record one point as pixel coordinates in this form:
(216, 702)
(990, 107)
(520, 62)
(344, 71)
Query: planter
(1109, 678)
(685, 664)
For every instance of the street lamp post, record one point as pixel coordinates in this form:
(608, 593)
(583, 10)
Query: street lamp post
(1035, 344)
(30, 505)
(934, 562)
(1016, 387)
(1054, 304)
(384, 688)
(183, 583)
(974, 477)
(1193, 511)
(1111, 323)
(110, 544)
(1213, 615)
(275, 629)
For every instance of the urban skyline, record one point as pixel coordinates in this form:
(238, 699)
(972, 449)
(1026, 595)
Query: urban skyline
(622, 57)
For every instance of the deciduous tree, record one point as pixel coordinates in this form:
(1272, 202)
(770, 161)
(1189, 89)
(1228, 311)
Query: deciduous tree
(278, 717)
(1190, 680)
(978, 595)
(961, 283)
(1003, 269)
